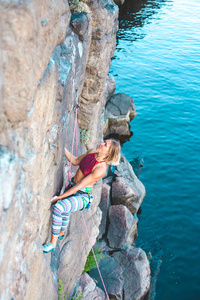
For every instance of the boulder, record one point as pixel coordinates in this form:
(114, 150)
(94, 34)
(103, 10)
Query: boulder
(126, 274)
(136, 272)
(79, 24)
(120, 107)
(127, 189)
(104, 206)
(120, 110)
(87, 287)
(111, 272)
(122, 229)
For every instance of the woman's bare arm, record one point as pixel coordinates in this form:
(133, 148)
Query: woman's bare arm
(75, 160)
(89, 180)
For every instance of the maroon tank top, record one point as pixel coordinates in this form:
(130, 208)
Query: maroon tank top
(88, 163)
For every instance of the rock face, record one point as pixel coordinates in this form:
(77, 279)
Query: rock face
(104, 206)
(127, 189)
(31, 30)
(120, 110)
(125, 269)
(89, 289)
(49, 57)
(126, 274)
(105, 26)
(136, 272)
(111, 272)
(122, 227)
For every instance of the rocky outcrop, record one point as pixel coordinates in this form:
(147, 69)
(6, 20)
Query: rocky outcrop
(120, 110)
(104, 206)
(127, 189)
(125, 269)
(122, 227)
(126, 274)
(112, 275)
(88, 289)
(46, 52)
(30, 32)
(105, 26)
(136, 272)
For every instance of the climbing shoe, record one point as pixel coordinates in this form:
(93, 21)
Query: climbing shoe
(61, 237)
(48, 248)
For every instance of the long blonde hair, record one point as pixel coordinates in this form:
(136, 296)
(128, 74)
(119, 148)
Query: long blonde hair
(113, 157)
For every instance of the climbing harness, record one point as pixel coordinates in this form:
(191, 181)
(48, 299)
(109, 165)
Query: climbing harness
(76, 107)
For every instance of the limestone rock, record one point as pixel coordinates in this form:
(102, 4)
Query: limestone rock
(105, 25)
(136, 272)
(122, 228)
(104, 206)
(71, 58)
(108, 92)
(30, 31)
(111, 85)
(121, 106)
(120, 110)
(97, 69)
(111, 272)
(79, 24)
(9, 177)
(104, 14)
(32, 157)
(126, 274)
(108, 179)
(127, 189)
(89, 289)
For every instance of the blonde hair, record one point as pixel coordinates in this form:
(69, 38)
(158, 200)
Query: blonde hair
(113, 157)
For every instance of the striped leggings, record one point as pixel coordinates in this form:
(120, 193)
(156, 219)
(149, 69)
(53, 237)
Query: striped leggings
(63, 208)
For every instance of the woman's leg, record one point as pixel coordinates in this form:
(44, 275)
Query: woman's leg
(61, 213)
(62, 226)
(60, 218)
(65, 222)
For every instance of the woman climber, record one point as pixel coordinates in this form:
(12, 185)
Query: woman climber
(78, 194)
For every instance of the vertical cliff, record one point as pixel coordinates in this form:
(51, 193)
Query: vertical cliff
(47, 55)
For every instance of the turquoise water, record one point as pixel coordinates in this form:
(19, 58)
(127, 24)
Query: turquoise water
(157, 62)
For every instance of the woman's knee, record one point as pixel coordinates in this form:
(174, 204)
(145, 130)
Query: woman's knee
(58, 208)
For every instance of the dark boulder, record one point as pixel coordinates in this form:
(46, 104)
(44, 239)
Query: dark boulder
(122, 229)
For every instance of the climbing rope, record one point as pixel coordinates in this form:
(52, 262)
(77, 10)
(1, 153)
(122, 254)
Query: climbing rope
(76, 107)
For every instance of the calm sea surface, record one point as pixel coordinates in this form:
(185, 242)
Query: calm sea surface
(157, 62)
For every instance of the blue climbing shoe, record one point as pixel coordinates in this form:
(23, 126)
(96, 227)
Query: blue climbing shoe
(48, 248)
(61, 237)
